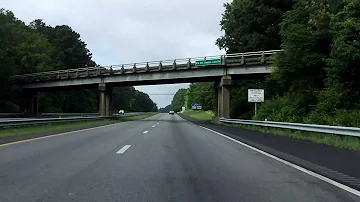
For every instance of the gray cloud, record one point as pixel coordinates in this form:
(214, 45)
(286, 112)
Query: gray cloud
(126, 31)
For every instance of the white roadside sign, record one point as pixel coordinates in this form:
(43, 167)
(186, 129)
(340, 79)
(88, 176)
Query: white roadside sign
(255, 95)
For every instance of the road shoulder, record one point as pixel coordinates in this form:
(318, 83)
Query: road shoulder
(334, 163)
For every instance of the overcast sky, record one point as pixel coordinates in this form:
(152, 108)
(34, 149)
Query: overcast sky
(126, 31)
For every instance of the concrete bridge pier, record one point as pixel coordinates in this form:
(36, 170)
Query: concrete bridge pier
(106, 100)
(222, 94)
(31, 104)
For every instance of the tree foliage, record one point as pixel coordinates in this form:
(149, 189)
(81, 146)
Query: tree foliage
(39, 47)
(316, 78)
(178, 100)
(201, 93)
(166, 109)
(252, 25)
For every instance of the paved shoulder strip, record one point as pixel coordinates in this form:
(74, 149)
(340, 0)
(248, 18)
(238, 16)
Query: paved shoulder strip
(337, 179)
(323, 178)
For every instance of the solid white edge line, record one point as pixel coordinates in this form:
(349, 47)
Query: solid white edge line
(123, 150)
(145, 131)
(323, 178)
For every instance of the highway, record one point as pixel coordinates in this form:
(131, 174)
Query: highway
(161, 158)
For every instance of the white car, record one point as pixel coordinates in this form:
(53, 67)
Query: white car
(171, 112)
(121, 111)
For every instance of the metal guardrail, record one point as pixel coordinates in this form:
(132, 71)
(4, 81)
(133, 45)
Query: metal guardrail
(22, 122)
(338, 130)
(19, 115)
(248, 58)
(33, 121)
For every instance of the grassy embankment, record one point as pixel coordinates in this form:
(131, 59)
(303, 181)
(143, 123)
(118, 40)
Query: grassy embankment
(346, 142)
(53, 127)
(201, 115)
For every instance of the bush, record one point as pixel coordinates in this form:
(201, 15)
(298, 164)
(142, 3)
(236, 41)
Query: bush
(289, 108)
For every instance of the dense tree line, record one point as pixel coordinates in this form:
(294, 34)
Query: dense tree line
(166, 109)
(39, 47)
(316, 79)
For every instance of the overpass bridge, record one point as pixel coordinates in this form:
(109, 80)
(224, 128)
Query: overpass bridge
(219, 69)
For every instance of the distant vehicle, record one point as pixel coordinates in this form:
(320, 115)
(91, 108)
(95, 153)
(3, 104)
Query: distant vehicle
(121, 111)
(171, 112)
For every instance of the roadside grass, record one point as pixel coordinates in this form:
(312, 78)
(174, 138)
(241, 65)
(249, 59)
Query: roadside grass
(345, 142)
(53, 127)
(201, 115)
(135, 117)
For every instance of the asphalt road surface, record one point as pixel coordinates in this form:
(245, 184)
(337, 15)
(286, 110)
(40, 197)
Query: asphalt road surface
(162, 158)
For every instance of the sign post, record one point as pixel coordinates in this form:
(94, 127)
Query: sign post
(255, 95)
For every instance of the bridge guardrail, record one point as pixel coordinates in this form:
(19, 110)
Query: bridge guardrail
(338, 130)
(150, 66)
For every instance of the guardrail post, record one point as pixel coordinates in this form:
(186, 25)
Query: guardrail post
(242, 62)
(122, 70)
(189, 63)
(134, 68)
(77, 74)
(160, 66)
(223, 60)
(147, 67)
(174, 65)
(111, 71)
(87, 73)
(58, 75)
(262, 60)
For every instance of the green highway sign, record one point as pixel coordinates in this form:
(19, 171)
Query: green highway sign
(208, 62)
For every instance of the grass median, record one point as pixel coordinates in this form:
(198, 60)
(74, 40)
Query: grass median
(54, 127)
(200, 115)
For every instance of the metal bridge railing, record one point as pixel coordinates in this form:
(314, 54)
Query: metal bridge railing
(182, 63)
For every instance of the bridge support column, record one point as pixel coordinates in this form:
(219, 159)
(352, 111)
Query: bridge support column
(223, 97)
(31, 104)
(105, 103)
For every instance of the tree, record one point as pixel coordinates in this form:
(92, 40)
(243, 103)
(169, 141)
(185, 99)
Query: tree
(178, 100)
(40, 47)
(252, 25)
(343, 72)
(129, 99)
(22, 50)
(201, 93)
(166, 109)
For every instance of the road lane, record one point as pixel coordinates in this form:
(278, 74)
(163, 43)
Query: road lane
(174, 161)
